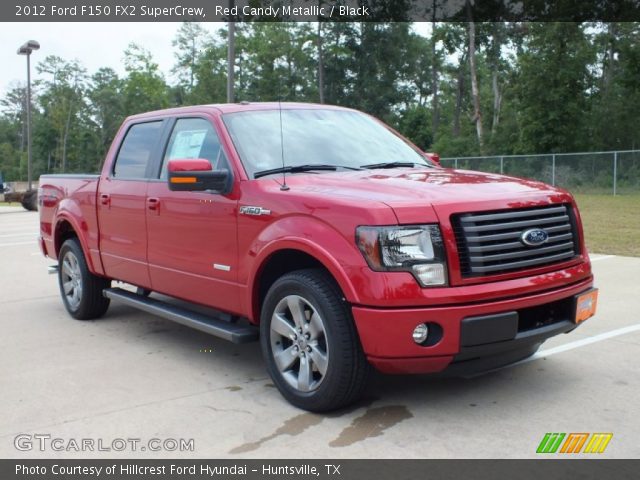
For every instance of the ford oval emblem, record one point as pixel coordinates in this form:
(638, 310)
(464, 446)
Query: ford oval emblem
(534, 237)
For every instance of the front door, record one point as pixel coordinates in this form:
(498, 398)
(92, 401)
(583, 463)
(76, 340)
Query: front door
(192, 237)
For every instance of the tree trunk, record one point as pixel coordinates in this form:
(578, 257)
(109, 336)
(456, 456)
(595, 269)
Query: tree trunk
(231, 59)
(290, 83)
(497, 101)
(435, 102)
(608, 61)
(459, 95)
(475, 93)
(65, 138)
(194, 54)
(320, 64)
(494, 55)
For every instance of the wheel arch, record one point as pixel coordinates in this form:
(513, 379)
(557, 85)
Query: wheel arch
(289, 258)
(65, 229)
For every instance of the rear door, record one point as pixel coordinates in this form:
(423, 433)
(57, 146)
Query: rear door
(122, 204)
(192, 243)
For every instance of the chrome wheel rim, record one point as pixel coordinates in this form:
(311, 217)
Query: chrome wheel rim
(298, 343)
(71, 280)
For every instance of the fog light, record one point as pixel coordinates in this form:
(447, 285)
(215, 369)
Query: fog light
(420, 333)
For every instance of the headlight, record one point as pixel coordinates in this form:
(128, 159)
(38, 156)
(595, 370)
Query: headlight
(417, 249)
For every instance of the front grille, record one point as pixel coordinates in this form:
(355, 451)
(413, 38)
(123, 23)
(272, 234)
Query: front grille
(490, 243)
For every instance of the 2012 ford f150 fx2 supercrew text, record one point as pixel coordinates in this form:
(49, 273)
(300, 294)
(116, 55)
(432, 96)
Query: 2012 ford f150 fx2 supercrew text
(324, 234)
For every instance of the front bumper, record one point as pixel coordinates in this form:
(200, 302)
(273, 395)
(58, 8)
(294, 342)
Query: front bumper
(474, 337)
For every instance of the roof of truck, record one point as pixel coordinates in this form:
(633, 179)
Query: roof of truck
(236, 107)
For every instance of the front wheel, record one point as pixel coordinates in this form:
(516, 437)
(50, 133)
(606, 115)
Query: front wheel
(310, 343)
(81, 290)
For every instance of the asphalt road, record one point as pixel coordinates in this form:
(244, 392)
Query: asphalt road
(132, 376)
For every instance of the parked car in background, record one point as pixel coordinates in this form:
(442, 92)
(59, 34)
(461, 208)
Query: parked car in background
(17, 192)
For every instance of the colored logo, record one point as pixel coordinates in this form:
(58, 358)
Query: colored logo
(574, 442)
(534, 237)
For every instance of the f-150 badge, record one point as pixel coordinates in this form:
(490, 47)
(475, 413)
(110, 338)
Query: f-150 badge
(254, 211)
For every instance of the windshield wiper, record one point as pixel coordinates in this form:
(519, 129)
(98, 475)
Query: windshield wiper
(300, 168)
(392, 165)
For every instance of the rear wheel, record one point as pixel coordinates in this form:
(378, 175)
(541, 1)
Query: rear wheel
(310, 343)
(80, 289)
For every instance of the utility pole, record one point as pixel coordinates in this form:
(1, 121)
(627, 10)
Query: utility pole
(231, 56)
(320, 62)
(27, 49)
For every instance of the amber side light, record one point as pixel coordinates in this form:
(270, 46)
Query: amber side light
(183, 180)
(369, 243)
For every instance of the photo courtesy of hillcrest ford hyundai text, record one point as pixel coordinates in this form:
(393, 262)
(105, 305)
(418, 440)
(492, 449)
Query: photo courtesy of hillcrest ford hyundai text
(326, 236)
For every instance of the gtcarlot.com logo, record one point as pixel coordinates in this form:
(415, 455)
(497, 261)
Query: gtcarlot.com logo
(573, 442)
(45, 442)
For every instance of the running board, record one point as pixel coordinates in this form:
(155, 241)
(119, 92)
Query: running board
(220, 328)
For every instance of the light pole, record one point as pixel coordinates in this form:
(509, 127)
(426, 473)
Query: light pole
(27, 49)
(231, 55)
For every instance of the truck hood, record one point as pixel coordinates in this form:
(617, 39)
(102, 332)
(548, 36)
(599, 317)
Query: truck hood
(404, 189)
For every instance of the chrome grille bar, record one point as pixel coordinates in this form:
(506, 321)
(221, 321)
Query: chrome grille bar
(490, 242)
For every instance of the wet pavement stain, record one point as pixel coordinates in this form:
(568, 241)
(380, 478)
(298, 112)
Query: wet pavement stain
(372, 423)
(298, 424)
(293, 426)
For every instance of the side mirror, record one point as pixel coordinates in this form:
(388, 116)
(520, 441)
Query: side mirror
(434, 157)
(196, 175)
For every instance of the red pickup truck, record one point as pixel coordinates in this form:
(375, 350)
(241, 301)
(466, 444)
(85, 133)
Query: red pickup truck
(324, 234)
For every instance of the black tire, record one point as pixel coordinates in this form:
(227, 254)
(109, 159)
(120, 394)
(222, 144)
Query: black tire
(84, 300)
(345, 366)
(30, 200)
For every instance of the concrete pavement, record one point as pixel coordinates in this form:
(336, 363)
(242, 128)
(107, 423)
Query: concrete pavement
(130, 375)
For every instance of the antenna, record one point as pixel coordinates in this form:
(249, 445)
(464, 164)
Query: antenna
(284, 187)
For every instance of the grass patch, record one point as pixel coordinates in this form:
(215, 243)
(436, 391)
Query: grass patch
(611, 224)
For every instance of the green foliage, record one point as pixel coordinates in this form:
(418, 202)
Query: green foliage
(553, 81)
(144, 87)
(106, 110)
(543, 88)
(62, 102)
(415, 125)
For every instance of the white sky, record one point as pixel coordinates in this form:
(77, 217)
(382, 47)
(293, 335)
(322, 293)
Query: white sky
(95, 45)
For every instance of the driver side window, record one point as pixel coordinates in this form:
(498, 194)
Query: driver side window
(194, 138)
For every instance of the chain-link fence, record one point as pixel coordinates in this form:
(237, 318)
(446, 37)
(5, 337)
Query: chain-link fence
(592, 172)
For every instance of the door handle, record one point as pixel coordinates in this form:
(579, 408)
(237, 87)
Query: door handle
(153, 203)
(105, 199)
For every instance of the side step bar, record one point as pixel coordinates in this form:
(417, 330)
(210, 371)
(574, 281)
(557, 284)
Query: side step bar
(220, 328)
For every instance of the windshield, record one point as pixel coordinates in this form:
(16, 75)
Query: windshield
(324, 137)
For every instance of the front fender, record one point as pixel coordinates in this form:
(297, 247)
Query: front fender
(339, 255)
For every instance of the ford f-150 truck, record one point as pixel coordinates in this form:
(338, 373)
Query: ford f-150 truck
(325, 235)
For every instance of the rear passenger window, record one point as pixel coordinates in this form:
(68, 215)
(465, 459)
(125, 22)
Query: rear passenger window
(194, 138)
(135, 152)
